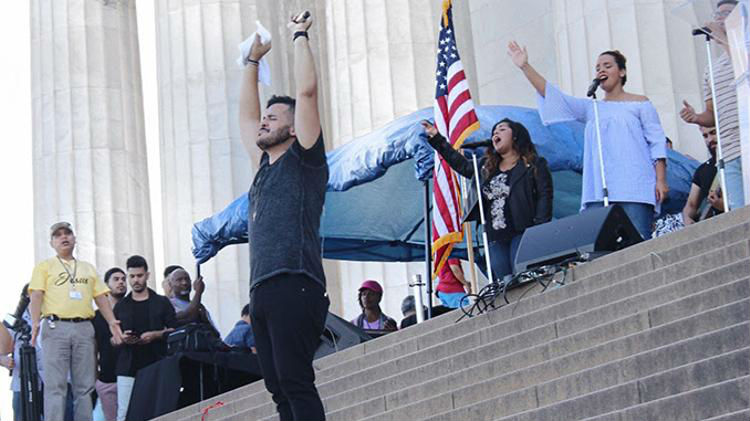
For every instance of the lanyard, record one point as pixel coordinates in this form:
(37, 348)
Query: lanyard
(71, 276)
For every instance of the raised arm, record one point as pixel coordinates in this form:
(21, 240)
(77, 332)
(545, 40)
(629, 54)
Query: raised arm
(520, 58)
(192, 311)
(306, 115)
(454, 158)
(249, 117)
(704, 119)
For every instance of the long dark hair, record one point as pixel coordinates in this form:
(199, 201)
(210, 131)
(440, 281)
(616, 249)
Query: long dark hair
(521, 143)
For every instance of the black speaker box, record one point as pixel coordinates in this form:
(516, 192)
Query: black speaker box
(599, 230)
(339, 334)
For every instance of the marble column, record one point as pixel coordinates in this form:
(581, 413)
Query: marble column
(204, 165)
(89, 151)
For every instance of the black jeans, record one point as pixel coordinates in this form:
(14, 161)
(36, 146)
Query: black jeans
(288, 316)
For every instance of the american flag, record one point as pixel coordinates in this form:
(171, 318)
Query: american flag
(456, 120)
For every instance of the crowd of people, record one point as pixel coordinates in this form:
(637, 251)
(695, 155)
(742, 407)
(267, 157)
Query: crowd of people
(81, 350)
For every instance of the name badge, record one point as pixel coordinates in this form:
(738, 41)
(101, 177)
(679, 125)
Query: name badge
(76, 295)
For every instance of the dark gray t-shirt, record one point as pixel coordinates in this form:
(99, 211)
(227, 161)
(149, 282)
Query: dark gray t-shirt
(286, 202)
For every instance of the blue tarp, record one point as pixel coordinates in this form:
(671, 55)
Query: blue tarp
(374, 207)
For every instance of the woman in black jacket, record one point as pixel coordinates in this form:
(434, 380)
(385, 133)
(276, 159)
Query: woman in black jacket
(516, 187)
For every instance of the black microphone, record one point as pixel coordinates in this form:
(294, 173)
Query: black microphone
(702, 31)
(475, 145)
(592, 88)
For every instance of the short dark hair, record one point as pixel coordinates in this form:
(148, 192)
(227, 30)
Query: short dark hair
(283, 99)
(136, 261)
(111, 272)
(171, 268)
(620, 60)
(245, 310)
(723, 2)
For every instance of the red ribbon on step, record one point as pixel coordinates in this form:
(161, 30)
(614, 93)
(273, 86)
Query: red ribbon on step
(218, 404)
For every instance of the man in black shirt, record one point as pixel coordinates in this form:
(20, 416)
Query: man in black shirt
(145, 317)
(701, 189)
(106, 381)
(287, 284)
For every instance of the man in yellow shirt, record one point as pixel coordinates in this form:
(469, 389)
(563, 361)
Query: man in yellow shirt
(62, 289)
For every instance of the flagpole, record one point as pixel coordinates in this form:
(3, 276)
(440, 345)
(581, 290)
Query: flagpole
(469, 245)
(428, 247)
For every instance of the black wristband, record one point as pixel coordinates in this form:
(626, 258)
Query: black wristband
(300, 34)
(255, 62)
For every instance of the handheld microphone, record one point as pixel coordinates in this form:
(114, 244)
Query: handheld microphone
(592, 88)
(303, 17)
(475, 145)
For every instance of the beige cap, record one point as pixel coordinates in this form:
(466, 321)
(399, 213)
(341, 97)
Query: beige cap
(58, 226)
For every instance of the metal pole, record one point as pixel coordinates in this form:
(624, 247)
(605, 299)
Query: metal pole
(417, 291)
(469, 246)
(719, 151)
(605, 192)
(481, 216)
(428, 246)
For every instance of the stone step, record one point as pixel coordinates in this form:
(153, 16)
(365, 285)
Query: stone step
(743, 415)
(514, 389)
(379, 351)
(652, 338)
(622, 270)
(725, 401)
(592, 276)
(476, 365)
(626, 402)
(461, 390)
(552, 369)
(415, 359)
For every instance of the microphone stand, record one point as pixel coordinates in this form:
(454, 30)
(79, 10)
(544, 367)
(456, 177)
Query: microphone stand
(482, 220)
(719, 149)
(605, 192)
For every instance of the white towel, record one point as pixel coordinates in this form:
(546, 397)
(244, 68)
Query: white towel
(264, 71)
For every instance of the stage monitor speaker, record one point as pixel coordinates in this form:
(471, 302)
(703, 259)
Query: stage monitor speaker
(339, 334)
(598, 230)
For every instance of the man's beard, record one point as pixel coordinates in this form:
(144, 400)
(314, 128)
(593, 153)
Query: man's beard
(118, 296)
(277, 137)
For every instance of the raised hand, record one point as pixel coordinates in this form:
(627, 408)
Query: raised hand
(429, 129)
(300, 22)
(198, 285)
(258, 49)
(518, 54)
(688, 114)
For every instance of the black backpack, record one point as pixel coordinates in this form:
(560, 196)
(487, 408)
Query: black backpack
(197, 337)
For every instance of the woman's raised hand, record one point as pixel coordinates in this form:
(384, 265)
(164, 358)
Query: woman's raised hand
(518, 54)
(429, 128)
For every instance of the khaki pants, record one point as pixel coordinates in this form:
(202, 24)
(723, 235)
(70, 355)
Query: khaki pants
(108, 397)
(68, 350)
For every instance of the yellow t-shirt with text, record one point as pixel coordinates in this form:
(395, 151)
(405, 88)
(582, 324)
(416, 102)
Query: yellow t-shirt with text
(62, 297)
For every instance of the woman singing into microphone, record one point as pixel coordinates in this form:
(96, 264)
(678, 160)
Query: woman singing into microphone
(516, 187)
(633, 142)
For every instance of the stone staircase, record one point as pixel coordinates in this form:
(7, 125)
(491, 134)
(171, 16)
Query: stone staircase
(659, 331)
